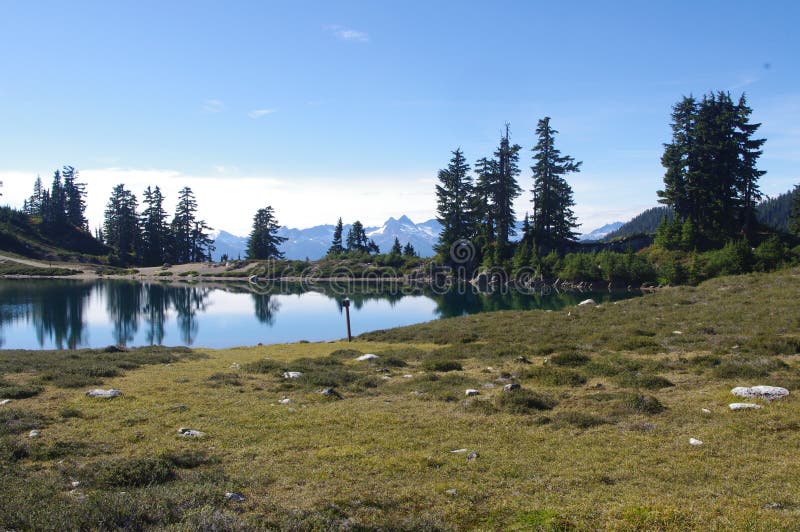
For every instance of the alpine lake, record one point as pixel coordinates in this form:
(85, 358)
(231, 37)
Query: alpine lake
(72, 314)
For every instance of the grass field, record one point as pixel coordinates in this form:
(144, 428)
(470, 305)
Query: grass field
(596, 437)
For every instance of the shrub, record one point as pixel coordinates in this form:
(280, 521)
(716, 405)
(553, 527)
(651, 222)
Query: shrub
(644, 404)
(522, 401)
(646, 381)
(442, 365)
(550, 376)
(581, 420)
(569, 359)
(133, 472)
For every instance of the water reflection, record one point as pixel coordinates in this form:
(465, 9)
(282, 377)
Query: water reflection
(70, 314)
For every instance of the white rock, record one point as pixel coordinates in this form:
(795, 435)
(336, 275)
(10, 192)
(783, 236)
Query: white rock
(511, 387)
(407, 376)
(75, 483)
(34, 434)
(764, 392)
(677, 332)
(587, 302)
(285, 401)
(5, 401)
(190, 433)
(453, 492)
(106, 394)
(706, 410)
(368, 356)
(743, 406)
(236, 365)
(235, 497)
(470, 392)
(695, 442)
(459, 451)
(292, 374)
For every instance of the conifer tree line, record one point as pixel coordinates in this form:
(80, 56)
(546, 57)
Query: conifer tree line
(357, 242)
(63, 204)
(480, 210)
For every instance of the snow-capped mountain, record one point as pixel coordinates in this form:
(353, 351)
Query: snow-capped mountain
(313, 243)
(600, 232)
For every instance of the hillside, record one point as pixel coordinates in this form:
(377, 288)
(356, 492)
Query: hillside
(775, 212)
(595, 437)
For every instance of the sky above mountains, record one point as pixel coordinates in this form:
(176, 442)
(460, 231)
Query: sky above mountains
(327, 109)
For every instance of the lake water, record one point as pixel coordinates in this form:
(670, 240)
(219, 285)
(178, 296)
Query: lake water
(60, 314)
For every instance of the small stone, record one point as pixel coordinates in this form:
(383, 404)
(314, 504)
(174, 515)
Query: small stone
(5, 401)
(773, 506)
(386, 377)
(470, 392)
(34, 434)
(292, 374)
(456, 451)
(472, 456)
(105, 394)
(511, 387)
(383, 370)
(408, 376)
(706, 411)
(677, 332)
(769, 393)
(285, 401)
(695, 442)
(236, 365)
(523, 360)
(190, 433)
(744, 406)
(451, 492)
(75, 483)
(587, 302)
(368, 356)
(235, 497)
(488, 385)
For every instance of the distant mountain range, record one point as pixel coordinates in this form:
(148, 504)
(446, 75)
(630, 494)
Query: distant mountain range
(313, 243)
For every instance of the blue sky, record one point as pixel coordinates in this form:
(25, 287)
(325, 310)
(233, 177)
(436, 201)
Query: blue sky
(328, 109)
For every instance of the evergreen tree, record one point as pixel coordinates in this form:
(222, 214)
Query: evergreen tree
(453, 196)
(35, 201)
(357, 238)
(711, 175)
(155, 229)
(523, 252)
(794, 220)
(121, 224)
(504, 190)
(74, 202)
(56, 212)
(202, 243)
(553, 218)
(264, 240)
(482, 216)
(396, 248)
(372, 248)
(409, 251)
(336, 244)
(189, 236)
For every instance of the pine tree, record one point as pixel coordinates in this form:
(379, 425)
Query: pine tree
(155, 229)
(396, 248)
(35, 201)
(409, 251)
(523, 252)
(264, 240)
(357, 238)
(794, 220)
(336, 244)
(504, 190)
(121, 224)
(553, 218)
(74, 202)
(56, 212)
(453, 196)
(189, 236)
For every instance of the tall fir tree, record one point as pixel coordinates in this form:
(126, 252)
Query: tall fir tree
(336, 244)
(155, 229)
(504, 190)
(553, 219)
(121, 224)
(397, 249)
(794, 218)
(409, 251)
(74, 202)
(453, 194)
(357, 240)
(264, 242)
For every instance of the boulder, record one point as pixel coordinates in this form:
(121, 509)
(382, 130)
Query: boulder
(511, 387)
(368, 356)
(5, 401)
(330, 392)
(470, 392)
(105, 394)
(695, 442)
(292, 374)
(34, 434)
(769, 393)
(235, 497)
(472, 456)
(587, 302)
(743, 406)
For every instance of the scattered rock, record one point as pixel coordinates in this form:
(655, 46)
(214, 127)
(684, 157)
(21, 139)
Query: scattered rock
(488, 385)
(695, 442)
(470, 392)
(511, 387)
(180, 407)
(105, 394)
(451, 492)
(190, 433)
(706, 410)
(456, 451)
(285, 401)
(472, 456)
(34, 434)
(5, 401)
(383, 370)
(523, 360)
(677, 332)
(75, 483)
(743, 406)
(773, 506)
(764, 392)
(330, 392)
(292, 374)
(368, 356)
(236, 365)
(416, 392)
(408, 376)
(587, 302)
(235, 497)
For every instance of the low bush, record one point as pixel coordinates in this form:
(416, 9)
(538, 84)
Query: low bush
(133, 472)
(522, 401)
(569, 359)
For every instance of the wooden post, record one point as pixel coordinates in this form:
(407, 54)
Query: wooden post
(346, 305)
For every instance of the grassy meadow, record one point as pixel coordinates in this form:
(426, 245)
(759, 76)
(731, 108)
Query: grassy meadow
(597, 436)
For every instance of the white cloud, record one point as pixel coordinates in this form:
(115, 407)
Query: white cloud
(212, 106)
(258, 113)
(348, 34)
